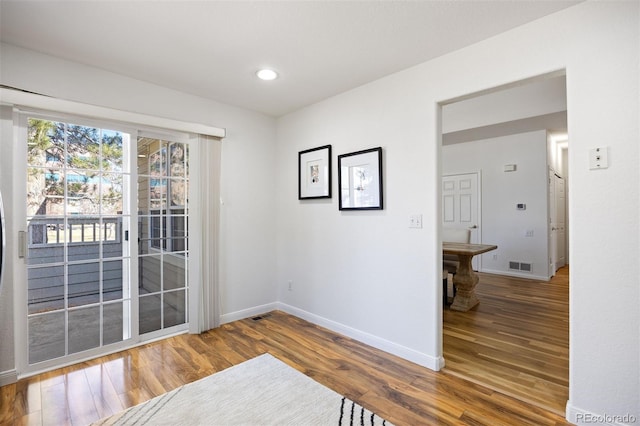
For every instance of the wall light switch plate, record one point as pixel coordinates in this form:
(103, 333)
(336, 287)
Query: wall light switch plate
(415, 221)
(598, 158)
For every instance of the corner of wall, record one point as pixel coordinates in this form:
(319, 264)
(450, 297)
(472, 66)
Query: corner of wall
(247, 313)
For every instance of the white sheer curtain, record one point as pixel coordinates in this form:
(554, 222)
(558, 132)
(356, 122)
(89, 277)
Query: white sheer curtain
(206, 211)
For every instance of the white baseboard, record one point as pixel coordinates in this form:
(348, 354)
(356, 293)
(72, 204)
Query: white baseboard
(515, 274)
(579, 416)
(571, 413)
(433, 363)
(8, 377)
(246, 313)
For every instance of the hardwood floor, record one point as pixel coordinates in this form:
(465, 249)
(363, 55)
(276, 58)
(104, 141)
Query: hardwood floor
(400, 391)
(516, 340)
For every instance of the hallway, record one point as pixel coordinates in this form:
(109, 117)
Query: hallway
(516, 340)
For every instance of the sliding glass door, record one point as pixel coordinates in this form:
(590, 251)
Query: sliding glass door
(78, 254)
(106, 242)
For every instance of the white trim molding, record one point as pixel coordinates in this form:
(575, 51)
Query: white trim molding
(18, 98)
(8, 377)
(247, 313)
(515, 274)
(432, 363)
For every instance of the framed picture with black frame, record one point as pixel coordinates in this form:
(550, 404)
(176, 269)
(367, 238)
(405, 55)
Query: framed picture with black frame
(314, 173)
(360, 180)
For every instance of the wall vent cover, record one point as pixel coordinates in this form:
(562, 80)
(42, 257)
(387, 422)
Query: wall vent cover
(520, 266)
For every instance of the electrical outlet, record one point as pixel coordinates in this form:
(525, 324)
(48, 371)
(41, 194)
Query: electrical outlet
(529, 233)
(495, 257)
(415, 221)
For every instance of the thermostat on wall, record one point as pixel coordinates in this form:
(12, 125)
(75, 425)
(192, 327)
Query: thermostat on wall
(521, 206)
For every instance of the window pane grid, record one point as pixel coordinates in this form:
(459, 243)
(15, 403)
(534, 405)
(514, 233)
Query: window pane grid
(75, 178)
(163, 232)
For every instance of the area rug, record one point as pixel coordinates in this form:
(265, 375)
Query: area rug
(261, 391)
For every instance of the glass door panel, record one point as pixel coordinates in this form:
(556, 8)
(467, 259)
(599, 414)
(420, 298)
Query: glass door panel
(163, 173)
(77, 252)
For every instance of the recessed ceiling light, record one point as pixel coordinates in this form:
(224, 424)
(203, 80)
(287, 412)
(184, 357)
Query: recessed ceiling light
(267, 74)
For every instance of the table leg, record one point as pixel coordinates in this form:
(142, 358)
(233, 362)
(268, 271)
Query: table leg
(465, 281)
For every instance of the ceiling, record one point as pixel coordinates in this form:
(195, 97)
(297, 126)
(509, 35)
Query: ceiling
(213, 48)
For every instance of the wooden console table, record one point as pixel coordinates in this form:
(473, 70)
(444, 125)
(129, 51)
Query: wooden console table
(465, 279)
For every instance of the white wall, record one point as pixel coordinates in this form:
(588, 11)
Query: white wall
(535, 98)
(248, 160)
(502, 223)
(368, 273)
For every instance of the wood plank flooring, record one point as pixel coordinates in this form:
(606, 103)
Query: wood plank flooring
(400, 391)
(516, 340)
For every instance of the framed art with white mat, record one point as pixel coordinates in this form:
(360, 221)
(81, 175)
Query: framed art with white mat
(314, 173)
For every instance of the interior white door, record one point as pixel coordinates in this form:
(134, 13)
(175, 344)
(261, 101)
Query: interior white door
(553, 235)
(557, 246)
(561, 258)
(460, 206)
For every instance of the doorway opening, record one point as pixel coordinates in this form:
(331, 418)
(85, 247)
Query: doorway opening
(516, 340)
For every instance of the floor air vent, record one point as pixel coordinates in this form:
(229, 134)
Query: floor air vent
(520, 266)
(259, 317)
